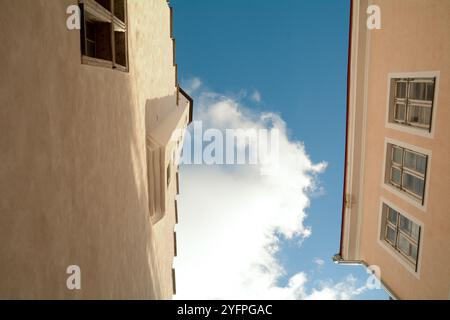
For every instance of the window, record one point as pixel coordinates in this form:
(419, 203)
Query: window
(168, 174)
(175, 244)
(411, 102)
(104, 33)
(401, 234)
(407, 171)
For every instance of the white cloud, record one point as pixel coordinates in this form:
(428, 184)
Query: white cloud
(341, 291)
(319, 262)
(256, 96)
(231, 217)
(192, 85)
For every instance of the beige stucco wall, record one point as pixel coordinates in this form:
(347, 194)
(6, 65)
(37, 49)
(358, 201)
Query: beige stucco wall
(73, 185)
(414, 37)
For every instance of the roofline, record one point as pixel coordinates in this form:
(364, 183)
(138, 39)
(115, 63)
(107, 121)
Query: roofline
(344, 191)
(191, 103)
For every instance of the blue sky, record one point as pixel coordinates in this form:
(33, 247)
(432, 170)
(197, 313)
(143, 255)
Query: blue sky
(294, 54)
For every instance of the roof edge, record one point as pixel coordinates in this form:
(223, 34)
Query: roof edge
(344, 191)
(191, 103)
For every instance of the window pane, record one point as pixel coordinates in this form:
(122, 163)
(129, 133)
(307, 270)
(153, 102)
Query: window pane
(407, 247)
(415, 231)
(400, 112)
(98, 40)
(430, 91)
(413, 184)
(421, 164)
(401, 90)
(396, 175)
(119, 9)
(121, 48)
(409, 227)
(392, 216)
(417, 90)
(90, 49)
(391, 235)
(414, 252)
(415, 162)
(90, 39)
(103, 41)
(90, 31)
(405, 224)
(419, 115)
(397, 154)
(168, 174)
(410, 160)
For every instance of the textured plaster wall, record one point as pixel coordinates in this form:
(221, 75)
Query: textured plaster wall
(73, 184)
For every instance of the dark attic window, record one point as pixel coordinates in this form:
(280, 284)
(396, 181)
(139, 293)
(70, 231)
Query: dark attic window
(104, 33)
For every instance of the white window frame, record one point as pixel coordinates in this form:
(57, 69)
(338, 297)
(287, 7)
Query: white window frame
(399, 257)
(407, 128)
(405, 170)
(386, 223)
(385, 183)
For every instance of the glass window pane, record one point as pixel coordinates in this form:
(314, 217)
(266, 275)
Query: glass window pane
(413, 184)
(415, 162)
(408, 181)
(414, 252)
(410, 160)
(98, 40)
(400, 112)
(406, 247)
(415, 231)
(418, 187)
(120, 48)
(168, 174)
(417, 90)
(401, 90)
(409, 227)
(392, 216)
(430, 91)
(90, 49)
(405, 224)
(419, 115)
(391, 235)
(396, 175)
(421, 164)
(90, 31)
(397, 154)
(119, 9)
(403, 244)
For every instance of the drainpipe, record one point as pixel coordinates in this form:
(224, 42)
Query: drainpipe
(337, 258)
